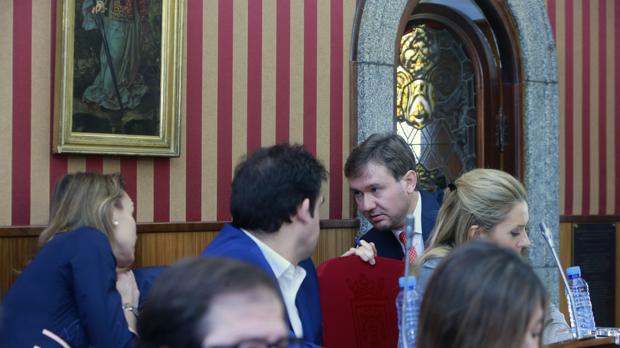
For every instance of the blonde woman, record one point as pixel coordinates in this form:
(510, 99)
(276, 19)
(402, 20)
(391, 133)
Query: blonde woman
(74, 292)
(484, 204)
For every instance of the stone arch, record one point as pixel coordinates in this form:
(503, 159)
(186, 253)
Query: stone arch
(372, 66)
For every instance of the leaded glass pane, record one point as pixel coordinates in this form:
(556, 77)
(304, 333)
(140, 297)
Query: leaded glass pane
(436, 104)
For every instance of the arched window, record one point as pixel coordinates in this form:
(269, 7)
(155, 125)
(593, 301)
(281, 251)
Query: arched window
(451, 103)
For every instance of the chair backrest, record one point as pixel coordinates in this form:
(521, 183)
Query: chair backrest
(358, 302)
(145, 277)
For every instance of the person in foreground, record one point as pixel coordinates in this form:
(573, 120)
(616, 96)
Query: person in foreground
(275, 201)
(382, 178)
(499, 302)
(484, 204)
(213, 302)
(76, 290)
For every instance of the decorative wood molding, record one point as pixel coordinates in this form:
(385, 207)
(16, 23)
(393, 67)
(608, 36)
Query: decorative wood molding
(595, 342)
(357, 20)
(586, 219)
(165, 227)
(20, 231)
(172, 227)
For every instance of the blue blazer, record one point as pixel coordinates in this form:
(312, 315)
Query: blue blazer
(385, 241)
(232, 242)
(145, 278)
(69, 288)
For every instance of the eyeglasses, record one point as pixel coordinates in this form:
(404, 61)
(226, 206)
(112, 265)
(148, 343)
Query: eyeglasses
(285, 342)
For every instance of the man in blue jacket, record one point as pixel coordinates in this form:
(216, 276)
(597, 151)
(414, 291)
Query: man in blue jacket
(275, 201)
(382, 178)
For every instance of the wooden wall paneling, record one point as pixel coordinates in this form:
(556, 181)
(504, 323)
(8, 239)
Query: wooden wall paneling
(332, 243)
(156, 249)
(566, 257)
(15, 252)
(160, 247)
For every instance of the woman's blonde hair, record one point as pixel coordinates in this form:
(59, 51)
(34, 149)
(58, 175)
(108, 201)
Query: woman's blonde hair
(84, 199)
(482, 197)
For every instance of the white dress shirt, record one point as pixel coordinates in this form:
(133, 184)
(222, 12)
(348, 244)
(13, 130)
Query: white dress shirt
(418, 241)
(289, 279)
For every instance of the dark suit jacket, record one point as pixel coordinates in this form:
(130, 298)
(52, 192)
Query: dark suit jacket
(145, 278)
(232, 242)
(388, 246)
(69, 288)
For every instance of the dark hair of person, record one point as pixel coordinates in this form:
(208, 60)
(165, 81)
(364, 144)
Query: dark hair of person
(389, 150)
(481, 295)
(175, 311)
(270, 184)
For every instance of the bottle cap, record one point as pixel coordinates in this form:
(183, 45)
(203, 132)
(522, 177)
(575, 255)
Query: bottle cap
(574, 271)
(406, 281)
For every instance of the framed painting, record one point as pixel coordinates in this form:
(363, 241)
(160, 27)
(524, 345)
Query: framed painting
(118, 77)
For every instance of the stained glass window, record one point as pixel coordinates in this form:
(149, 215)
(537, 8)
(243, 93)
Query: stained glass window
(436, 104)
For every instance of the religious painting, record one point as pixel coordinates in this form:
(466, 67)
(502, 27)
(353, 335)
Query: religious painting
(118, 77)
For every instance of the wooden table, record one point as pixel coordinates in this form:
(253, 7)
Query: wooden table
(603, 342)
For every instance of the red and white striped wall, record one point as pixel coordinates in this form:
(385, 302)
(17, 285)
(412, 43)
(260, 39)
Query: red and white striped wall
(257, 72)
(587, 34)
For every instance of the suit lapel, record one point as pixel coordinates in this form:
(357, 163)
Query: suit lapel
(430, 207)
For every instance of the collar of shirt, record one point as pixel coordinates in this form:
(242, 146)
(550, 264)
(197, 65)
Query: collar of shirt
(280, 266)
(289, 278)
(417, 218)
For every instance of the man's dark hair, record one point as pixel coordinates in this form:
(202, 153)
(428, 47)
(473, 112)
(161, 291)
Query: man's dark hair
(389, 150)
(269, 186)
(175, 309)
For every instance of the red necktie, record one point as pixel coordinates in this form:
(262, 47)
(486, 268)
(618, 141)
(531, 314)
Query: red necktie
(412, 254)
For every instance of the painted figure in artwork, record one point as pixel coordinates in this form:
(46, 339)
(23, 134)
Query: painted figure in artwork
(121, 97)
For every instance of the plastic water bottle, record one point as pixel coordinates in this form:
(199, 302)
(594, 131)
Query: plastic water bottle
(411, 306)
(583, 320)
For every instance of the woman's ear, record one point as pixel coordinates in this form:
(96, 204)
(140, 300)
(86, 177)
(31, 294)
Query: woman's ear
(116, 214)
(474, 232)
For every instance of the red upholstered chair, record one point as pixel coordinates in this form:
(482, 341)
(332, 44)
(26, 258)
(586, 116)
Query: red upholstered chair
(358, 302)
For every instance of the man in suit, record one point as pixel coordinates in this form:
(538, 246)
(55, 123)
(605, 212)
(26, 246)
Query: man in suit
(275, 201)
(382, 178)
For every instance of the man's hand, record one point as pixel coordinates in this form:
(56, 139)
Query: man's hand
(98, 8)
(366, 251)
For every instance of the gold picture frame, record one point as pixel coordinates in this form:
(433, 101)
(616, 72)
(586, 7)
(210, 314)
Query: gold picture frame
(130, 107)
